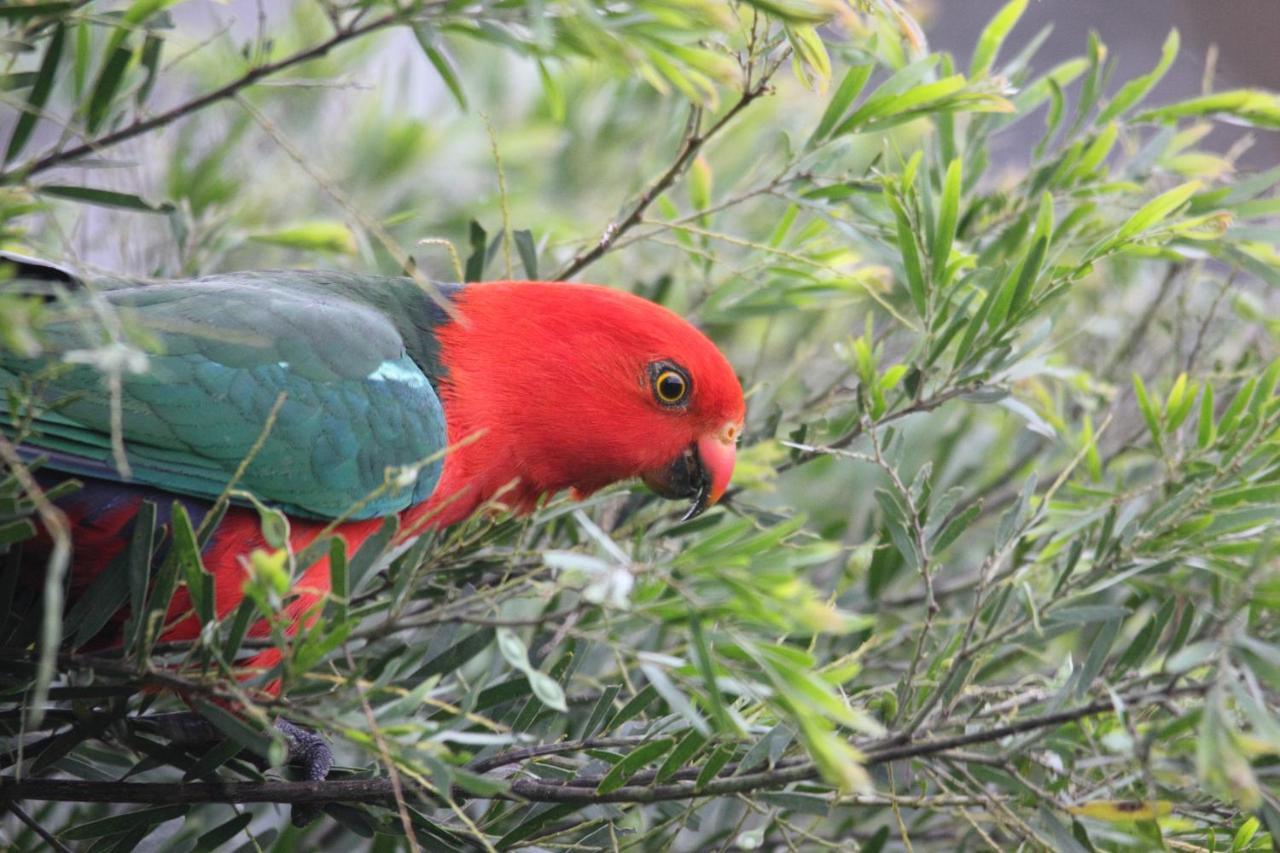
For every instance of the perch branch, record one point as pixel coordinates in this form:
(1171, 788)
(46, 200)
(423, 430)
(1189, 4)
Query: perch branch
(574, 791)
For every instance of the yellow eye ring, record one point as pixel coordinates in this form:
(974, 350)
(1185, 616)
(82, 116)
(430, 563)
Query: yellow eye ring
(670, 387)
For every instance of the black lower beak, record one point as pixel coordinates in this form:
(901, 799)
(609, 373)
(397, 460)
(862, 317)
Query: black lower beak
(685, 477)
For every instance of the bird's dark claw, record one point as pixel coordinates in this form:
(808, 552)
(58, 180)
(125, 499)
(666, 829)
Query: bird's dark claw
(306, 749)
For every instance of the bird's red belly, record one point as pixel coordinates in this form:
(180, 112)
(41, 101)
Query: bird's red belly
(101, 516)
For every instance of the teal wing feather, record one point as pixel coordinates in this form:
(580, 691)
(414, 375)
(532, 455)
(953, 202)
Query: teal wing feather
(360, 413)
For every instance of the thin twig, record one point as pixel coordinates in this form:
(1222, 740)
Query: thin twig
(253, 75)
(693, 143)
(59, 531)
(34, 825)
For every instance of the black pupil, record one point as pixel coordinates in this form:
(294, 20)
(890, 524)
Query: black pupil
(670, 386)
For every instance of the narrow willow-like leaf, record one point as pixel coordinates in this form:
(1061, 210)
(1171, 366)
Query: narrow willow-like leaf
(429, 41)
(910, 256)
(103, 198)
(104, 90)
(223, 833)
(477, 260)
(674, 697)
(1206, 431)
(237, 728)
(39, 94)
(632, 762)
(1132, 92)
(199, 581)
(706, 669)
(993, 36)
(528, 252)
(148, 817)
(23, 11)
(1148, 409)
(948, 214)
(685, 749)
(846, 93)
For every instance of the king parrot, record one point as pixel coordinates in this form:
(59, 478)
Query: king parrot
(386, 400)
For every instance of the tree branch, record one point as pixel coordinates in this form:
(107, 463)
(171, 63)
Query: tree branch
(581, 790)
(692, 144)
(253, 75)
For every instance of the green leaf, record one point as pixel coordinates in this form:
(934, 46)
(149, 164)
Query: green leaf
(148, 817)
(339, 590)
(1027, 274)
(1255, 107)
(1206, 432)
(39, 94)
(685, 749)
(714, 765)
(1156, 211)
(108, 82)
(429, 41)
(24, 11)
(993, 36)
(702, 658)
(948, 213)
(1148, 409)
(528, 252)
(1192, 656)
(457, 655)
(951, 532)
(187, 552)
(222, 833)
(1104, 637)
(138, 561)
(675, 699)
(548, 690)
(1132, 92)
(638, 703)
(16, 531)
(318, 236)
(249, 736)
(152, 47)
(632, 762)
(846, 93)
(478, 257)
(104, 198)
(809, 54)
(910, 256)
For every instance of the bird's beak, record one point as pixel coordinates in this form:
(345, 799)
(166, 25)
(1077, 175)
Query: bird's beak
(701, 472)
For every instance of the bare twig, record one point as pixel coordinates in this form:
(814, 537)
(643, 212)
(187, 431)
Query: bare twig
(253, 75)
(34, 825)
(693, 143)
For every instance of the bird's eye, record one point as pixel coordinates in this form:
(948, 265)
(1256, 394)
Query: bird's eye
(670, 386)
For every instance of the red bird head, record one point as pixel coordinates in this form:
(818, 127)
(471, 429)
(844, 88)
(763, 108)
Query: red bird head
(555, 386)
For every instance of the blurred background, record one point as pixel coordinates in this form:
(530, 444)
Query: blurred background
(385, 126)
(1243, 34)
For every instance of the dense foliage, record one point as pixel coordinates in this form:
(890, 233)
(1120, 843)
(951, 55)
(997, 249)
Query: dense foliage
(999, 566)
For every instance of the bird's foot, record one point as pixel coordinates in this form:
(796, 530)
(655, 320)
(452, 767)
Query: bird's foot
(306, 749)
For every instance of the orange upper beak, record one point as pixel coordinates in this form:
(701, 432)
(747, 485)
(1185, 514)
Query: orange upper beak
(701, 472)
(718, 454)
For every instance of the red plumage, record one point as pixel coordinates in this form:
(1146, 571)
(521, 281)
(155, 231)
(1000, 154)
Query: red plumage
(546, 387)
